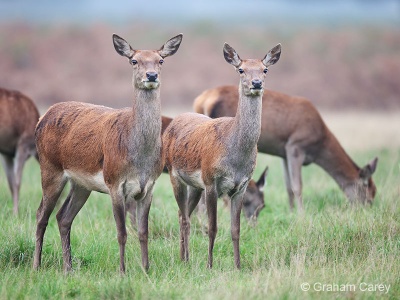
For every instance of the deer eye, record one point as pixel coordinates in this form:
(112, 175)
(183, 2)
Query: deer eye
(265, 71)
(133, 61)
(241, 71)
(161, 61)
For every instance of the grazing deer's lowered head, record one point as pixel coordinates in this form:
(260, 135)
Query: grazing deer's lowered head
(363, 190)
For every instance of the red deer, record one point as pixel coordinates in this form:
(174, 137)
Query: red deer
(293, 129)
(253, 198)
(113, 151)
(18, 118)
(217, 155)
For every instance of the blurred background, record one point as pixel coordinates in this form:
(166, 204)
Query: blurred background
(343, 55)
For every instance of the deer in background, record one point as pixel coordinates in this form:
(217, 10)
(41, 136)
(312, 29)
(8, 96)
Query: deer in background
(217, 156)
(293, 129)
(253, 198)
(113, 151)
(18, 118)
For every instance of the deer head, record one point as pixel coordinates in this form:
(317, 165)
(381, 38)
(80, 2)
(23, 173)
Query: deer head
(146, 64)
(253, 200)
(252, 71)
(364, 189)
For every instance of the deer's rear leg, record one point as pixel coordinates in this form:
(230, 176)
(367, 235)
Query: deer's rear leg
(295, 158)
(118, 205)
(66, 215)
(288, 183)
(131, 210)
(53, 183)
(180, 192)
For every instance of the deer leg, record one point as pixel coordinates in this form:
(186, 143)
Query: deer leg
(236, 208)
(76, 199)
(288, 183)
(20, 158)
(131, 209)
(180, 192)
(211, 203)
(295, 159)
(52, 185)
(194, 197)
(118, 205)
(143, 209)
(8, 163)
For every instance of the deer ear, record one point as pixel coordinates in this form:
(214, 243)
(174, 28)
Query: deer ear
(122, 47)
(231, 56)
(369, 169)
(171, 46)
(272, 56)
(262, 180)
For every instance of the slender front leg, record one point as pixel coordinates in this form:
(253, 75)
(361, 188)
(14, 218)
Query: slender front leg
(211, 204)
(118, 205)
(21, 156)
(143, 209)
(8, 162)
(236, 208)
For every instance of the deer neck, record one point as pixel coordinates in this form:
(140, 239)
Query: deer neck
(146, 120)
(247, 123)
(338, 164)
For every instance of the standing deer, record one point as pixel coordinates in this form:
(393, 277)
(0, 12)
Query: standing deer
(217, 155)
(293, 129)
(253, 198)
(18, 118)
(113, 151)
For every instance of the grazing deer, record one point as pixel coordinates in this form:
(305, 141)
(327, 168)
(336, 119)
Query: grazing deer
(217, 155)
(293, 129)
(18, 118)
(113, 151)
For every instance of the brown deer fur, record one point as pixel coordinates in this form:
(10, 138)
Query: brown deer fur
(293, 129)
(18, 118)
(217, 155)
(96, 148)
(253, 198)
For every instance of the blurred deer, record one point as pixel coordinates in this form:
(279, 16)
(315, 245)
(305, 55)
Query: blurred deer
(18, 118)
(113, 151)
(217, 156)
(293, 129)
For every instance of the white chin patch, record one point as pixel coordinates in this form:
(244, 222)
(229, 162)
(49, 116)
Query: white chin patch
(151, 85)
(256, 92)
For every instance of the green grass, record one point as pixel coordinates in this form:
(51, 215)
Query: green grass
(333, 243)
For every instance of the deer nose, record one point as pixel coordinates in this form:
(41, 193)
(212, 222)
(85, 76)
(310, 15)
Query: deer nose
(152, 76)
(257, 83)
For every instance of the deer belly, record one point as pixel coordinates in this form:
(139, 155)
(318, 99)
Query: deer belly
(92, 182)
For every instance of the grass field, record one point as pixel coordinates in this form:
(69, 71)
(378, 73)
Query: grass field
(333, 243)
